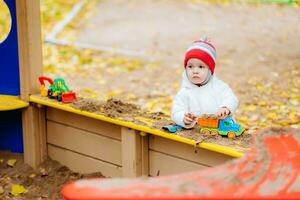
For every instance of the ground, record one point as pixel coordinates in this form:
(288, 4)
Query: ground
(136, 54)
(140, 57)
(45, 182)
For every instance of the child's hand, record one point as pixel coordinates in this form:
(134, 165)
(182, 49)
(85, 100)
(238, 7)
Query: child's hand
(223, 112)
(188, 118)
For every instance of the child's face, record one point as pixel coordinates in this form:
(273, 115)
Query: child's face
(197, 70)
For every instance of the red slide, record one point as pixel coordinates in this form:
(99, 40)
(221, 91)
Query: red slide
(271, 170)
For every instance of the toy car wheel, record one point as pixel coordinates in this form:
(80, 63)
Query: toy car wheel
(50, 93)
(59, 97)
(214, 132)
(231, 134)
(205, 131)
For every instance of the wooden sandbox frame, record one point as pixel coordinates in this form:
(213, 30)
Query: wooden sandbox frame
(87, 142)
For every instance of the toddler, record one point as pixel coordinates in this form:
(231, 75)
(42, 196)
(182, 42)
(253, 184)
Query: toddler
(201, 91)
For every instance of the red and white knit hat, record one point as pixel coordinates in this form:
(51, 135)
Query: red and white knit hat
(202, 50)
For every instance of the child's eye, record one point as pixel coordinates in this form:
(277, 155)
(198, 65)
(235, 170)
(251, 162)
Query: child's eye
(201, 67)
(189, 66)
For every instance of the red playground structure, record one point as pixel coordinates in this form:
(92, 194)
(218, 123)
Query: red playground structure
(271, 170)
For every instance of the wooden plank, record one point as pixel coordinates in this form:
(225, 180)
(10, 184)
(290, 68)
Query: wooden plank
(83, 164)
(30, 46)
(41, 127)
(30, 66)
(86, 123)
(161, 164)
(34, 135)
(130, 160)
(145, 153)
(134, 153)
(84, 142)
(177, 149)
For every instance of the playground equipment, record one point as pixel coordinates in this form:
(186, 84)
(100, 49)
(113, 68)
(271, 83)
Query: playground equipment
(81, 140)
(135, 150)
(12, 90)
(226, 127)
(269, 171)
(58, 90)
(21, 64)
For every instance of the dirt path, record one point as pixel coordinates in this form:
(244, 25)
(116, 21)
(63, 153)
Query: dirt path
(250, 40)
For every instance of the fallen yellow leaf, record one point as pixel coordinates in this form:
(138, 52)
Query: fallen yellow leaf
(262, 103)
(278, 103)
(16, 190)
(260, 88)
(272, 115)
(250, 108)
(11, 162)
(147, 121)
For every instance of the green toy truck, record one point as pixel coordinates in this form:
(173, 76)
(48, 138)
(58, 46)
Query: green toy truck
(57, 90)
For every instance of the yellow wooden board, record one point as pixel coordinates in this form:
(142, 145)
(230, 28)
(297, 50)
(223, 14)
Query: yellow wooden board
(11, 103)
(234, 152)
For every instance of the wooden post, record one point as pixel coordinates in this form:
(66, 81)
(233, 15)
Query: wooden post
(145, 153)
(30, 61)
(134, 153)
(34, 135)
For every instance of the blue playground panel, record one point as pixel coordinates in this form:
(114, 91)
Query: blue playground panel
(9, 59)
(11, 121)
(11, 131)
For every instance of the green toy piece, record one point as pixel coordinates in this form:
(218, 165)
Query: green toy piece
(57, 90)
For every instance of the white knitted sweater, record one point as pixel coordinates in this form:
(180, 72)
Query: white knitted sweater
(206, 99)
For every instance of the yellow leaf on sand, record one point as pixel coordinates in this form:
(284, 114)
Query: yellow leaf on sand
(272, 115)
(89, 93)
(131, 96)
(115, 92)
(278, 103)
(262, 103)
(250, 108)
(260, 88)
(16, 190)
(11, 162)
(243, 119)
(166, 111)
(294, 116)
(147, 121)
(295, 90)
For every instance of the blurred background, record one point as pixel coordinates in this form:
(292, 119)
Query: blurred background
(133, 50)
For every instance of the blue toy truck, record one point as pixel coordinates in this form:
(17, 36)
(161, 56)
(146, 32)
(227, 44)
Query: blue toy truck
(226, 127)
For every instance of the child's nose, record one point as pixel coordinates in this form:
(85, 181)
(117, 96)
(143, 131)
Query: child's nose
(196, 71)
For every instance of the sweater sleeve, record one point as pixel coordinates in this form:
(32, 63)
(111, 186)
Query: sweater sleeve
(229, 99)
(179, 108)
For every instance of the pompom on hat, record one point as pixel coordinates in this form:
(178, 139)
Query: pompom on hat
(202, 50)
